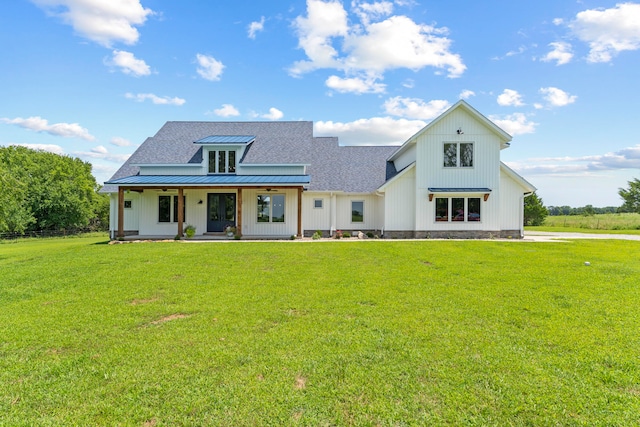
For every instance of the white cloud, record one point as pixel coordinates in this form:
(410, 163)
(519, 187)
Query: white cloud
(100, 152)
(409, 83)
(466, 94)
(561, 53)
(103, 21)
(227, 110)
(165, 100)
(510, 97)
(120, 142)
(514, 124)
(209, 68)
(557, 97)
(626, 158)
(355, 85)
(255, 27)
(398, 42)
(608, 31)
(129, 64)
(370, 47)
(52, 148)
(38, 124)
(371, 11)
(324, 21)
(373, 131)
(274, 114)
(414, 108)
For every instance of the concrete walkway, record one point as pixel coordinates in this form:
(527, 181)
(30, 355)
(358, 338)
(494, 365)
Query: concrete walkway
(546, 236)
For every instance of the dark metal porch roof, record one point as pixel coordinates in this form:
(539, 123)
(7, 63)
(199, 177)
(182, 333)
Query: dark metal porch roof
(206, 180)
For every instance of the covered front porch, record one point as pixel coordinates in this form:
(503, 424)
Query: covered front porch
(156, 211)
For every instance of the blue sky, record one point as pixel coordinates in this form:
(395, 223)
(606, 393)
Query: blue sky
(94, 78)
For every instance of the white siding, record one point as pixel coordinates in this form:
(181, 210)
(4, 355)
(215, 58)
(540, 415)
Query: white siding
(372, 215)
(172, 170)
(512, 204)
(195, 214)
(406, 158)
(250, 225)
(316, 218)
(270, 170)
(430, 171)
(400, 203)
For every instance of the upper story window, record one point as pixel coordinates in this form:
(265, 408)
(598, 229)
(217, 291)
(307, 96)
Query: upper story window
(458, 155)
(222, 161)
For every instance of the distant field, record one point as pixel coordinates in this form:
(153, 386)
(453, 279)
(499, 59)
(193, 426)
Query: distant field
(437, 333)
(623, 222)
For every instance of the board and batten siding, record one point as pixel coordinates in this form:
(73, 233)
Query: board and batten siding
(430, 171)
(172, 170)
(512, 204)
(316, 218)
(400, 203)
(373, 217)
(406, 158)
(195, 213)
(250, 224)
(271, 170)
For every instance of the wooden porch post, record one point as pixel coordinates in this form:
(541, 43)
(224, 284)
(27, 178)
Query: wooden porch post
(299, 211)
(180, 211)
(120, 213)
(239, 219)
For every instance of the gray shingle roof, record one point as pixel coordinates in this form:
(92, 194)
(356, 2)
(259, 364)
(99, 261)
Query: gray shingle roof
(358, 169)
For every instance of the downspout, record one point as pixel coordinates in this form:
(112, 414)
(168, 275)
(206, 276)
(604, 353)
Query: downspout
(377, 193)
(332, 214)
(522, 213)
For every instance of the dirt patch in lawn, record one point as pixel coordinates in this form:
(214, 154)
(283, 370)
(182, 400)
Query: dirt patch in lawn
(170, 318)
(301, 383)
(144, 301)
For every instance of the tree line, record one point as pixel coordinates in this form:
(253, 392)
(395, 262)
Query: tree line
(535, 212)
(46, 191)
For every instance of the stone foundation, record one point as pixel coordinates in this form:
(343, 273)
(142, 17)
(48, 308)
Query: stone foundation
(458, 234)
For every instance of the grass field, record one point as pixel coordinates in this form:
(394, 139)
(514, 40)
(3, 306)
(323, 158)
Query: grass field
(319, 333)
(624, 222)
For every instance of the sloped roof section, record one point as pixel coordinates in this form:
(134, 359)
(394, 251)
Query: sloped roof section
(356, 169)
(352, 169)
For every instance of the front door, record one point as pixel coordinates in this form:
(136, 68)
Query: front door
(221, 211)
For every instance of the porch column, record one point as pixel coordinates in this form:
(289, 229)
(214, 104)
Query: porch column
(299, 211)
(239, 219)
(180, 211)
(120, 213)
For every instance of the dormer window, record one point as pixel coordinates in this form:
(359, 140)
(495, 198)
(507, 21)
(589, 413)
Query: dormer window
(222, 161)
(458, 155)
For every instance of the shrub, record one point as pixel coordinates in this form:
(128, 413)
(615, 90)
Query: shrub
(369, 234)
(190, 231)
(317, 235)
(346, 234)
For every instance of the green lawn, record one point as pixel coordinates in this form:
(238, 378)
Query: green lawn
(319, 333)
(621, 222)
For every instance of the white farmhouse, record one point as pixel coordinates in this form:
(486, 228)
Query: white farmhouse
(275, 180)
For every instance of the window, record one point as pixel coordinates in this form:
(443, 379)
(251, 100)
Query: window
(357, 211)
(127, 204)
(458, 155)
(222, 161)
(271, 208)
(317, 203)
(168, 208)
(457, 209)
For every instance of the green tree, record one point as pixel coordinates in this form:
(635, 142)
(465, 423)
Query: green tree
(534, 210)
(15, 216)
(47, 191)
(631, 196)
